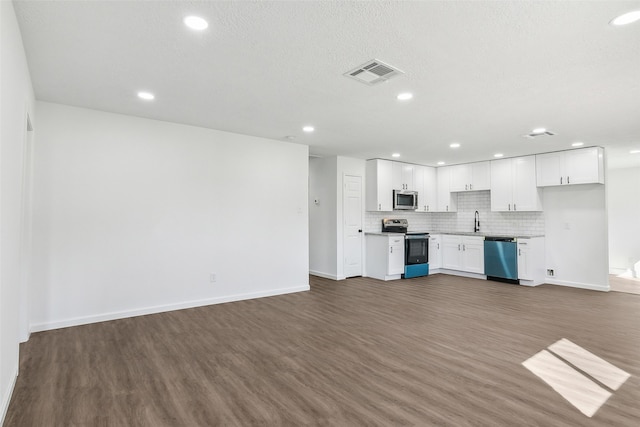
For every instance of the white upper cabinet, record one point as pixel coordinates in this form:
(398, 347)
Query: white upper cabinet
(585, 166)
(447, 201)
(471, 177)
(379, 190)
(501, 185)
(481, 176)
(424, 182)
(418, 185)
(402, 176)
(582, 166)
(460, 177)
(513, 185)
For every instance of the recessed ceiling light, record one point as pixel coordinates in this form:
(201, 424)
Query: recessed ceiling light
(634, 152)
(195, 23)
(395, 155)
(626, 18)
(146, 96)
(454, 145)
(538, 131)
(405, 96)
(577, 144)
(308, 129)
(498, 155)
(440, 163)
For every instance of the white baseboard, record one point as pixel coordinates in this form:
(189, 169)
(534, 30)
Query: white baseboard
(46, 326)
(462, 274)
(324, 275)
(6, 398)
(616, 271)
(530, 283)
(24, 338)
(590, 286)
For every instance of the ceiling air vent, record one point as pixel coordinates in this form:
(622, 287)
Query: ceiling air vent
(373, 72)
(538, 134)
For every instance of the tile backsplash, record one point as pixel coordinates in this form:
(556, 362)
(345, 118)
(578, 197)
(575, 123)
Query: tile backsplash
(501, 223)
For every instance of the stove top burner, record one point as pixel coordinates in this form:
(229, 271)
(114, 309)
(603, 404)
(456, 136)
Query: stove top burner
(394, 225)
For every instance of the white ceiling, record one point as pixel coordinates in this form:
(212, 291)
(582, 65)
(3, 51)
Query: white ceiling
(483, 73)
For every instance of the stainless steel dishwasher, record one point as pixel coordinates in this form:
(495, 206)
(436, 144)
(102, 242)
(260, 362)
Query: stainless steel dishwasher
(500, 259)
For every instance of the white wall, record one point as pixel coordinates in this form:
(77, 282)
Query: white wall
(576, 235)
(16, 101)
(323, 217)
(132, 215)
(623, 187)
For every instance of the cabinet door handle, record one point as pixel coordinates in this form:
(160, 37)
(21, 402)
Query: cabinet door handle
(519, 252)
(438, 245)
(447, 208)
(465, 187)
(560, 180)
(514, 207)
(509, 206)
(458, 247)
(379, 206)
(470, 186)
(391, 248)
(464, 248)
(567, 180)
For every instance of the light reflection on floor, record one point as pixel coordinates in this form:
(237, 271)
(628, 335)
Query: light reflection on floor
(581, 377)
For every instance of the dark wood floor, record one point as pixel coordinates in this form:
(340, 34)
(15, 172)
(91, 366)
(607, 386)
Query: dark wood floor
(440, 350)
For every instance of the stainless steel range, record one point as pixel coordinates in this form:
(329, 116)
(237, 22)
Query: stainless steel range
(416, 247)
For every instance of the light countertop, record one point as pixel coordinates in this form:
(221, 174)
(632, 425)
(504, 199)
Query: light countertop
(459, 233)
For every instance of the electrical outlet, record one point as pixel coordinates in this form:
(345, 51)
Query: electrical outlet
(213, 277)
(550, 272)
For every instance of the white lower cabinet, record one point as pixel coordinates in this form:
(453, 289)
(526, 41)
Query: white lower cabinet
(451, 252)
(385, 256)
(435, 252)
(531, 270)
(463, 253)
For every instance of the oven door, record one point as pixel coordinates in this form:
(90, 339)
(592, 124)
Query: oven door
(416, 249)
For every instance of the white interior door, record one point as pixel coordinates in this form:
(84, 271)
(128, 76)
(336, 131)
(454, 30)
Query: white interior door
(352, 231)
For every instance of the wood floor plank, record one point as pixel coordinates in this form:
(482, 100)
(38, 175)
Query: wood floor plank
(437, 350)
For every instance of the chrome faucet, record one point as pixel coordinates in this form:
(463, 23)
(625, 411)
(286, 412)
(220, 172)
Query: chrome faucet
(476, 226)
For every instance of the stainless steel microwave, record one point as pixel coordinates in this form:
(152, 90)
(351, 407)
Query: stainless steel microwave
(405, 200)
